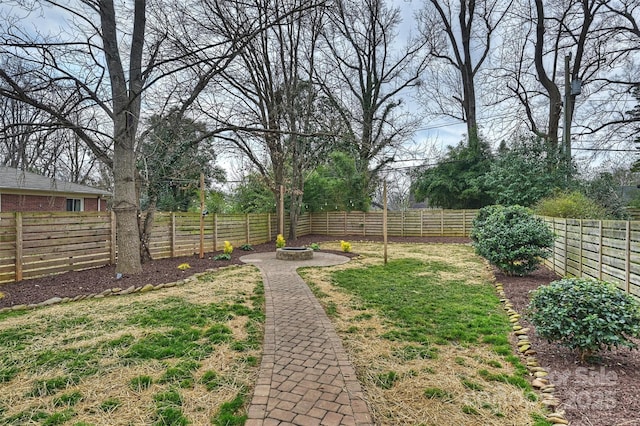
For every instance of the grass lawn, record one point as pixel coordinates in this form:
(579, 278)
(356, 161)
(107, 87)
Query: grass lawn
(426, 333)
(184, 355)
(428, 336)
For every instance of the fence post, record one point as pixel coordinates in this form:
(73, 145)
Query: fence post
(553, 258)
(566, 246)
(173, 234)
(364, 224)
(327, 223)
(581, 250)
(627, 263)
(421, 223)
(268, 226)
(345, 222)
(113, 238)
(18, 246)
(247, 226)
(215, 231)
(442, 222)
(600, 250)
(464, 223)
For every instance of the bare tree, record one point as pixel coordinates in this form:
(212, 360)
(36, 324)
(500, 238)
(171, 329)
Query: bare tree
(266, 97)
(30, 140)
(22, 146)
(89, 63)
(598, 38)
(366, 72)
(628, 12)
(459, 34)
(104, 61)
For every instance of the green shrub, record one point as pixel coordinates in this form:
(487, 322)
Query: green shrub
(511, 238)
(585, 315)
(573, 205)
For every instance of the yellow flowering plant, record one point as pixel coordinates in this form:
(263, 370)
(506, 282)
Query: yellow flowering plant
(228, 248)
(345, 245)
(280, 241)
(184, 266)
(226, 252)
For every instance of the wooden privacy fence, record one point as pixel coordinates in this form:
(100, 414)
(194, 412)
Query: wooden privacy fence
(607, 250)
(411, 223)
(34, 244)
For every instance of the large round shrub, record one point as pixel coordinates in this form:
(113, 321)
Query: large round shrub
(585, 315)
(511, 238)
(574, 205)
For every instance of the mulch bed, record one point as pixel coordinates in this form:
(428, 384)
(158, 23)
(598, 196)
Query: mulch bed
(156, 272)
(603, 393)
(600, 394)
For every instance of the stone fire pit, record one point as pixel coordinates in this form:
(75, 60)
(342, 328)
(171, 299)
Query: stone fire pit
(294, 253)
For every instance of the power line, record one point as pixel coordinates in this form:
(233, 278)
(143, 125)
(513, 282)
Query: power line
(606, 149)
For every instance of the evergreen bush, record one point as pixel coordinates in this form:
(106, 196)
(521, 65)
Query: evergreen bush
(511, 238)
(585, 315)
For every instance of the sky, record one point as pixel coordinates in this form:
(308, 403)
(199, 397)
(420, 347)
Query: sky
(433, 135)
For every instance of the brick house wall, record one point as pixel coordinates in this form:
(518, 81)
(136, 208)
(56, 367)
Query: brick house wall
(43, 203)
(91, 205)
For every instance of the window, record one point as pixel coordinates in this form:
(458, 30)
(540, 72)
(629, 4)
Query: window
(74, 205)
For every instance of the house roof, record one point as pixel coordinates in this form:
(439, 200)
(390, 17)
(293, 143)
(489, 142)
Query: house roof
(19, 180)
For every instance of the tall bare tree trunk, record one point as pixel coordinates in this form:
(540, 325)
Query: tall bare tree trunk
(126, 115)
(125, 206)
(555, 98)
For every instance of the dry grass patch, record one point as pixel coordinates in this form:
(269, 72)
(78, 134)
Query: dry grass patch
(415, 370)
(172, 356)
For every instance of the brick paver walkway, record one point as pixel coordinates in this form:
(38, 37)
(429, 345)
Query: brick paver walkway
(305, 377)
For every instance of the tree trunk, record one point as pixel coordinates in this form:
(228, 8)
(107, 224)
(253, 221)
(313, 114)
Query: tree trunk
(126, 112)
(297, 192)
(145, 230)
(125, 206)
(555, 98)
(294, 215)
(466, 18)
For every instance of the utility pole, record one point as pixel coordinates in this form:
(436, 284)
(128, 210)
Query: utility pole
(566, 136)
(281, 208)
(384, 218)
(572, 88)
(202, 213)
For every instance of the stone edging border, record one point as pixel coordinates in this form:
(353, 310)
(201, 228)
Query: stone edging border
(116, 291)
(539, 374)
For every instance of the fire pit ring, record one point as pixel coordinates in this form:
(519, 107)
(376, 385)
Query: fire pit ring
(294, 253)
